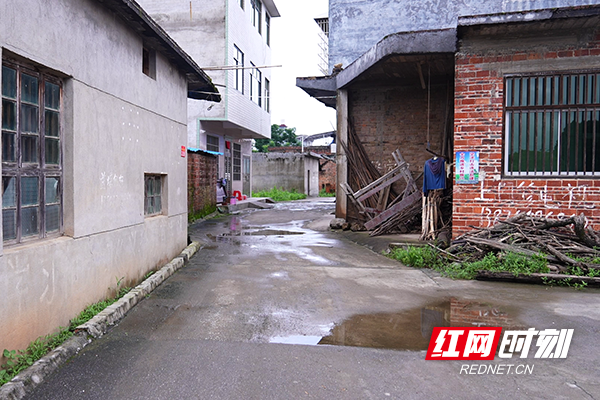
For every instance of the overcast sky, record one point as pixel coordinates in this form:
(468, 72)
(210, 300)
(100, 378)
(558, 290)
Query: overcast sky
(294, 44)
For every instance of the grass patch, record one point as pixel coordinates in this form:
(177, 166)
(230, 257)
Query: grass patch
(323, 193)
(280, 195)
(207, 210)
(427, 257)
(18, 360)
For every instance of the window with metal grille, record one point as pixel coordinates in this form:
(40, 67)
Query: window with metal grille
(238, 60)
(212, 143)
(237, 162)
(31, 154)
(153, 194)
(552, 124)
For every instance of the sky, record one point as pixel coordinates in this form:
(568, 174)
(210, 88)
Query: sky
(294, 45)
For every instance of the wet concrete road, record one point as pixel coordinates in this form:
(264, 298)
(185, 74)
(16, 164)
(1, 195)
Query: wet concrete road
(231, 324)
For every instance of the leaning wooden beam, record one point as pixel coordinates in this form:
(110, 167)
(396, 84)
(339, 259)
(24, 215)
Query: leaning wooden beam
(391, 211)
(379, 184)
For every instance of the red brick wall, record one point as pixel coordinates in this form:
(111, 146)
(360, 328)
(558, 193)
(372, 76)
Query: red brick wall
(202, 181)
(327, 174)
(387, 119)
(478, 126)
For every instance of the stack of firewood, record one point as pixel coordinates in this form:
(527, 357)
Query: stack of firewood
(564, 243)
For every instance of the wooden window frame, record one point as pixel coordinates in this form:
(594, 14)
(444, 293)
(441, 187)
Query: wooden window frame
(20, 169)
(149, 209)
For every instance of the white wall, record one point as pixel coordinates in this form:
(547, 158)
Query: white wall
(117, 124)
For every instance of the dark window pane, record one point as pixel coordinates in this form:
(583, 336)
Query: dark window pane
(9, 224)
(9, 115)
(29, 119)
(157, 204)
(9, 191)
(52, 96)
(29, 149)
(8, 147)
(29, 221)
(52, 123)
(52, 218)
(29, 191)
(52, 151)
(52, 190)
(157, 188)
(149, 187)
(29, 89)
(517, 92)
(9, 82)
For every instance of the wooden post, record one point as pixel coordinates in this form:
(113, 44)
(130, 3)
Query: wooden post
(341, 203)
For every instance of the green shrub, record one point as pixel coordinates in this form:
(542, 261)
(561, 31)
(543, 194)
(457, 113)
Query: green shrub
(323, 193)
(427, 257)
(280, 194)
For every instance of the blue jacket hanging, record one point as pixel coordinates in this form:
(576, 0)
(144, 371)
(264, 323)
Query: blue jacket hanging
(434, 176)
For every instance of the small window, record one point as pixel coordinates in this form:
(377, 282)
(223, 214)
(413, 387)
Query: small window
(242, 4)
(267, 95)
(238, 60)
(552, 124)
(237, 162)
(256, 14)
(268, 28)
(153, 195)
(212, 143)
(256, 85)
(149, 62)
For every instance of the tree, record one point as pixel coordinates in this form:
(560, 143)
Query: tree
(281, 136)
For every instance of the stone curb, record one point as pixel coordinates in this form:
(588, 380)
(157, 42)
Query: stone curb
(30, 378)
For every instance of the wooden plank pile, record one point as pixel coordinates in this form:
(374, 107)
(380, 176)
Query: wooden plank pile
(385, 216)
(564, 243)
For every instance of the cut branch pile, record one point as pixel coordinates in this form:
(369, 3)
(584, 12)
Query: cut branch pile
(564, 243)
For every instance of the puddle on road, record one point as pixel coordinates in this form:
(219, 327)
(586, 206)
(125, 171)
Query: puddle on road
(407, 330)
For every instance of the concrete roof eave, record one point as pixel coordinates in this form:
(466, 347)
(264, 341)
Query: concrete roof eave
(529, 16)
(322, 88)
(271, 8)
(420, 42)
(200, 85)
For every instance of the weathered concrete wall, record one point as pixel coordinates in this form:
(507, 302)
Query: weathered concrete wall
(479, 98)
(357, 25)
(117, 124)
(285, 170)
(202, 182)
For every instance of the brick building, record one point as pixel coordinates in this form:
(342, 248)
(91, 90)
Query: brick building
(202, 181)
(532, 109)
(517, 89)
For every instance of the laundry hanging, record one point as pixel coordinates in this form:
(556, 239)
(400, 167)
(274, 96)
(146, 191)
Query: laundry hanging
(434, 174)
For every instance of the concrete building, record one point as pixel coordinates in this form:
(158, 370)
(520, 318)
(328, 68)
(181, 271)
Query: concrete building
(288, 171)
(231, 41)
(94, 100)
(439, 77)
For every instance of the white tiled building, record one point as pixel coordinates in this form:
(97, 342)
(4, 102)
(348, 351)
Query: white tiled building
(221, 35)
